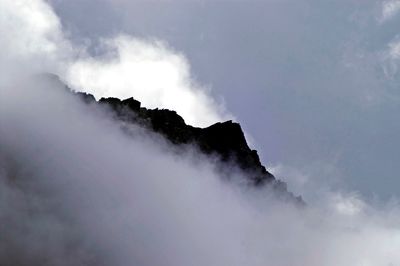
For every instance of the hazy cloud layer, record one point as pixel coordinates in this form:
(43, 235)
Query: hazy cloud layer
(150, 72)
(314, 82)
(76, 190)
(390, 9)
(125, 67)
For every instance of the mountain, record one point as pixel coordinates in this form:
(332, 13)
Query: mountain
(225, 140)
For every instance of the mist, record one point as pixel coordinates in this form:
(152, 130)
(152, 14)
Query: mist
(314, 82)
(77, 189)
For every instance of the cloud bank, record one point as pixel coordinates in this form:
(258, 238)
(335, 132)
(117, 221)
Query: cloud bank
(76, 190)
(151, 72)
(126, 66)
(390, 9)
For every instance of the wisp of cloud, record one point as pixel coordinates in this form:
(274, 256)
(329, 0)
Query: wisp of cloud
(77, 190)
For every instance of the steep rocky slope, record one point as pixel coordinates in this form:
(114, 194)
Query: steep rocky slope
(224, 140)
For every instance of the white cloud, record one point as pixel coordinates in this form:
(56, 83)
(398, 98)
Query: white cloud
(75, 189)
(390, 9)
(394, 50)
(149, 71)
(29, 27)
(348, 205)
(390, 60)
(31, 32)
(85, 192)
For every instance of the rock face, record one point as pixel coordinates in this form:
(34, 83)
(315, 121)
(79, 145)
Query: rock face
(225, 140)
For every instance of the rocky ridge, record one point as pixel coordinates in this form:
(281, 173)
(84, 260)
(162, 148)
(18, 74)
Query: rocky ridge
(225, 140)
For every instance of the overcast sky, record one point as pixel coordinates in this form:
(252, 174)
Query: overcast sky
(314, 83)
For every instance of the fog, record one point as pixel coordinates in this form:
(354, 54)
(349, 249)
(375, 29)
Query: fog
(121, 66)
(76, 189)
(314, 82)
(155, 74)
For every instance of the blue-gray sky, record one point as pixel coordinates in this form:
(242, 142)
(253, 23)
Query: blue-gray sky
(308, 79)
(314, 84)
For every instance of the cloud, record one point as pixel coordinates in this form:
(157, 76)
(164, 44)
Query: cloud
(301, 96)
(128, 67)
(390, 9)
(30, 31)
(149, 71)
(29, 28)
(77, 190)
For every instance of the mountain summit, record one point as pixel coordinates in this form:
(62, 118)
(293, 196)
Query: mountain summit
(225, 140)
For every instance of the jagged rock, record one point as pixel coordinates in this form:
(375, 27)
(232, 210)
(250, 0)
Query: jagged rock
(224, 139)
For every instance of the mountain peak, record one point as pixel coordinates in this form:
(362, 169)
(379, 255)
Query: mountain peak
(226, 140)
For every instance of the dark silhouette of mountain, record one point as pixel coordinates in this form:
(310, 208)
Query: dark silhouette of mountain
(225, 140)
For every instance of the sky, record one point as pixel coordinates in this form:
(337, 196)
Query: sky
(314, 85)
